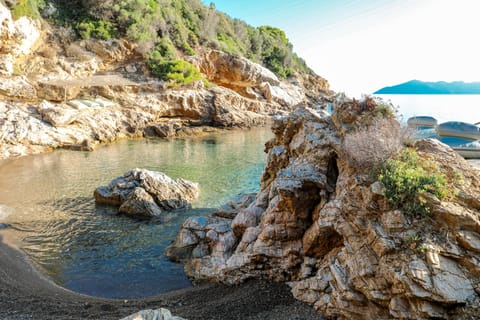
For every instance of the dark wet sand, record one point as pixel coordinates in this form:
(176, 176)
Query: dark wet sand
(25, 293)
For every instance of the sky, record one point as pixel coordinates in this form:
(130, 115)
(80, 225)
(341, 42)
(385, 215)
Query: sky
(360, 46)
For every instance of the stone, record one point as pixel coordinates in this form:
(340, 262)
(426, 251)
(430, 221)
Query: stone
(223, 68)
(17, 87)
(393, 221)
(231, 209)
(6, 64)
(55, 92)
(283, 94)
(27, 34)
(149, 314)
(469, 240)
(111, 50)
(57, 115)
(167, 193)
(166, 129)
(198, 235)
(7, 29)
(140, 204)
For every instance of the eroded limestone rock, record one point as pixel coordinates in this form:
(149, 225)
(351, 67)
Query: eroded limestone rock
(146, 193)
(326, 228)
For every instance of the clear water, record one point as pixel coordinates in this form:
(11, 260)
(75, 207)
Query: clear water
(443, 107)
(48, 202)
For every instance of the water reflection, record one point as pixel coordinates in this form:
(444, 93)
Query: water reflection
(90, 248)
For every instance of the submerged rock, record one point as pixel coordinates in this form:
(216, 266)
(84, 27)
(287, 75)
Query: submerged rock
(144, 193)
(325, 226)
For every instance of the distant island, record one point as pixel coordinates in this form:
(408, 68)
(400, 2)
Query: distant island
(440, 87)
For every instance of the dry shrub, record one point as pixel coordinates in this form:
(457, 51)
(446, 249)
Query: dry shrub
(369, 147)
(367, 104)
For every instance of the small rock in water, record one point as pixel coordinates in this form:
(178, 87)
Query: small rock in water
(149, 314)
(145, 193)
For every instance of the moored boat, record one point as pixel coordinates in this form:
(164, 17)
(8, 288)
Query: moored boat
(468, 153)
(422, 122)
(458, 129)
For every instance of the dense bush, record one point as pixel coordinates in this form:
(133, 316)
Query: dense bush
(407, 176)
(176, 72)
(99, 29)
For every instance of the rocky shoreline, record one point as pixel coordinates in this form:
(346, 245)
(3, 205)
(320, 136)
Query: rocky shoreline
(59, 93)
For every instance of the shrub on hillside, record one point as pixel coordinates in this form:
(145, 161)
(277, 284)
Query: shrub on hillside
(99, 29)
(176, 72)
(407, 176)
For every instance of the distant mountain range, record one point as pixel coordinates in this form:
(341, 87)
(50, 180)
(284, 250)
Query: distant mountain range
(440, 87)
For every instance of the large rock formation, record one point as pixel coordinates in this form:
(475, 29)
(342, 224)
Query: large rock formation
(325, 226)
(254, 81)
(144, 193)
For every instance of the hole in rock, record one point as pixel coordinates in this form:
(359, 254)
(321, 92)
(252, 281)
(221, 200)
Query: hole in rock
(321, 241)
(332, 177)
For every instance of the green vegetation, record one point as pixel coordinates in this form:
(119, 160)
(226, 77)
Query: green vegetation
(29, 8)
(184, 24)
(176, 72)
(165, 66)
(99, 29)
(407, 176)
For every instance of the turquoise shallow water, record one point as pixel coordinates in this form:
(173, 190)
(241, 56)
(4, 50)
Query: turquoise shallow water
(47, 200)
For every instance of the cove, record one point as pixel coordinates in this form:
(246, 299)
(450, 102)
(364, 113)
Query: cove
(47, 202)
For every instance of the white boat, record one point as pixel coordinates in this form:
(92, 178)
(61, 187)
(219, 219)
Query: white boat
(422, 122)
(468, 153)
(458, 129)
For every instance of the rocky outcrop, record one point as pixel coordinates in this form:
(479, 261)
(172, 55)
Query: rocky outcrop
(28, 128)
(17, 87)
(17, 38)
(149, 314)
(144, 193)
(326, 227)
(253, 81)
(231, 71)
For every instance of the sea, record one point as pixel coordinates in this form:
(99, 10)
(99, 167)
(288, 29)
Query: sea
(443, 107)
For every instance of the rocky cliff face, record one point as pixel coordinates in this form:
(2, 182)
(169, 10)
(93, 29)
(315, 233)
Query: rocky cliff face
(326, 227)
(48, 98)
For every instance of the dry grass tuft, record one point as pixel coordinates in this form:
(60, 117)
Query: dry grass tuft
(369, 147)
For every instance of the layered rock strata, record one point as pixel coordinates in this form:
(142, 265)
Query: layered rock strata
(144, 193)
(325, 226)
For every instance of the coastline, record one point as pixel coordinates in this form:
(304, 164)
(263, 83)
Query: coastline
(25, 293)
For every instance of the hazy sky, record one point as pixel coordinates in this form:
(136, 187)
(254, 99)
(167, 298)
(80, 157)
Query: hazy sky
(361, 46)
